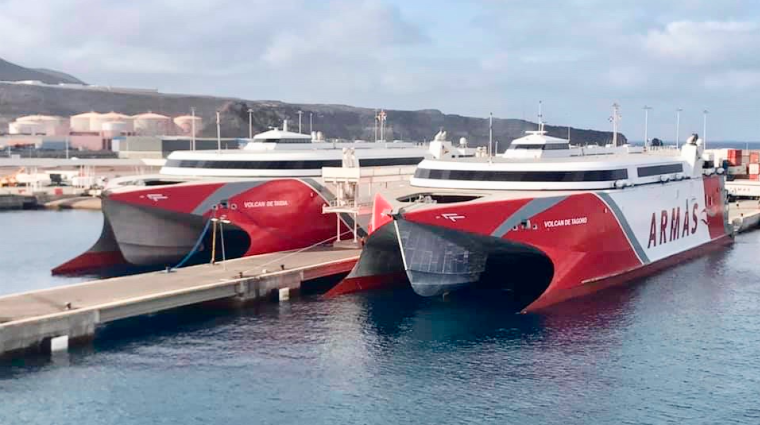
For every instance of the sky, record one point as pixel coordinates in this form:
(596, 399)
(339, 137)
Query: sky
(471, 58)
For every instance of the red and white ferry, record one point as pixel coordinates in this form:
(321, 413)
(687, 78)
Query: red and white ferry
(545, 221)
(270, 195)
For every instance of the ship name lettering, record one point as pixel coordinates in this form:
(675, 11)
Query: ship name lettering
(265, 204)
(566, 222)
(668, 226)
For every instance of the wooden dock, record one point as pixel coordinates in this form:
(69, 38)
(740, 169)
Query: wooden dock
(35, 320)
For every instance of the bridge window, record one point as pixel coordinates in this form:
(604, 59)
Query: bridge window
(523, 176)
(656, 170)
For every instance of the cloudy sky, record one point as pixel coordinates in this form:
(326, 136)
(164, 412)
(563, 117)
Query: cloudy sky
(465, 57)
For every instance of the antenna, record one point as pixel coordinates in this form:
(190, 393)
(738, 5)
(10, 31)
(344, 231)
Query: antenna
(704, 128)
(540, 117)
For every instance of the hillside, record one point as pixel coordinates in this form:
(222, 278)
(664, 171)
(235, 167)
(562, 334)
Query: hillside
(335, 121)
(12, 72)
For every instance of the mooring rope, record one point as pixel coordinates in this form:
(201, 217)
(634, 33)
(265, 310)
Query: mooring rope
(297, 252)
(195, 247)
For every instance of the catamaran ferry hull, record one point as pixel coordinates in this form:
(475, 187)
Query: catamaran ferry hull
(158, 227)
(544, 249)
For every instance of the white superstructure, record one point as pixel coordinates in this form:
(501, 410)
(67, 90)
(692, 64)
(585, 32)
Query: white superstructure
(541, 162)
(282, 153)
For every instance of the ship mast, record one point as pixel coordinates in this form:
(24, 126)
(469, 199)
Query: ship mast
(540, 117)
(614, 119)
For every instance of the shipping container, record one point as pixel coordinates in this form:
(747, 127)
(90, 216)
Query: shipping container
(754, 169)
(754, 157)
(735, 157)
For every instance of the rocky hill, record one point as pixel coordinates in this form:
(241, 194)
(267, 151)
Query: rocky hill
(335, 121)
(12, 72)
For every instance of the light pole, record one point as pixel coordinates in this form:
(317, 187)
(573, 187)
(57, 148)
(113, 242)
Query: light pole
(192, 129)
(490, 136)
(678, 125)
(646, 125)
(218, 133)
(377, 120)
(250, 123)
(300, 113)
(382, 124)
(704, 127)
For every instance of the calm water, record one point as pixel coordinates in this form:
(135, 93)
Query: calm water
(681, 347)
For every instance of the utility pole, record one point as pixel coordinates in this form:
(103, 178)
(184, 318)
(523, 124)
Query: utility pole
(218, 134)
(646, 125)
(704, 127)
(250, 123)
(300, 114)
(678, 126)
(192, 128)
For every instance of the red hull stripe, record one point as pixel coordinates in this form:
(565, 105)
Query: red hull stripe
(552, 297)
(532, 208)
(225, 192)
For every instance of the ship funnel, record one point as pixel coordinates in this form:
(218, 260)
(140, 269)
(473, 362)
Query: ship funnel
(284, 125)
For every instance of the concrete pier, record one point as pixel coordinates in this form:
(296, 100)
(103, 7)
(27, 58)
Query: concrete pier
(29, 321)
(744, 215)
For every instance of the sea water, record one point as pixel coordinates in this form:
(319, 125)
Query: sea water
(679, 347)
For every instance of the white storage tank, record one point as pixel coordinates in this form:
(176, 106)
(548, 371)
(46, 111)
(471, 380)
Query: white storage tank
(84, 122)
(39, 124)
(115, 128)
(185, 124)
(116, 117)
(26, 127)
(151, 124)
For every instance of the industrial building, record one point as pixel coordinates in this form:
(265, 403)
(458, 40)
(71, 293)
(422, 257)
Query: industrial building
(97, 131)
(156, 147)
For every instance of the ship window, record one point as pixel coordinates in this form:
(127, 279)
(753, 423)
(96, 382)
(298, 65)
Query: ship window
(655, 170)
(285, 165)
(546, 147)
(556, 146)
(527, 147)
(523, 176)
